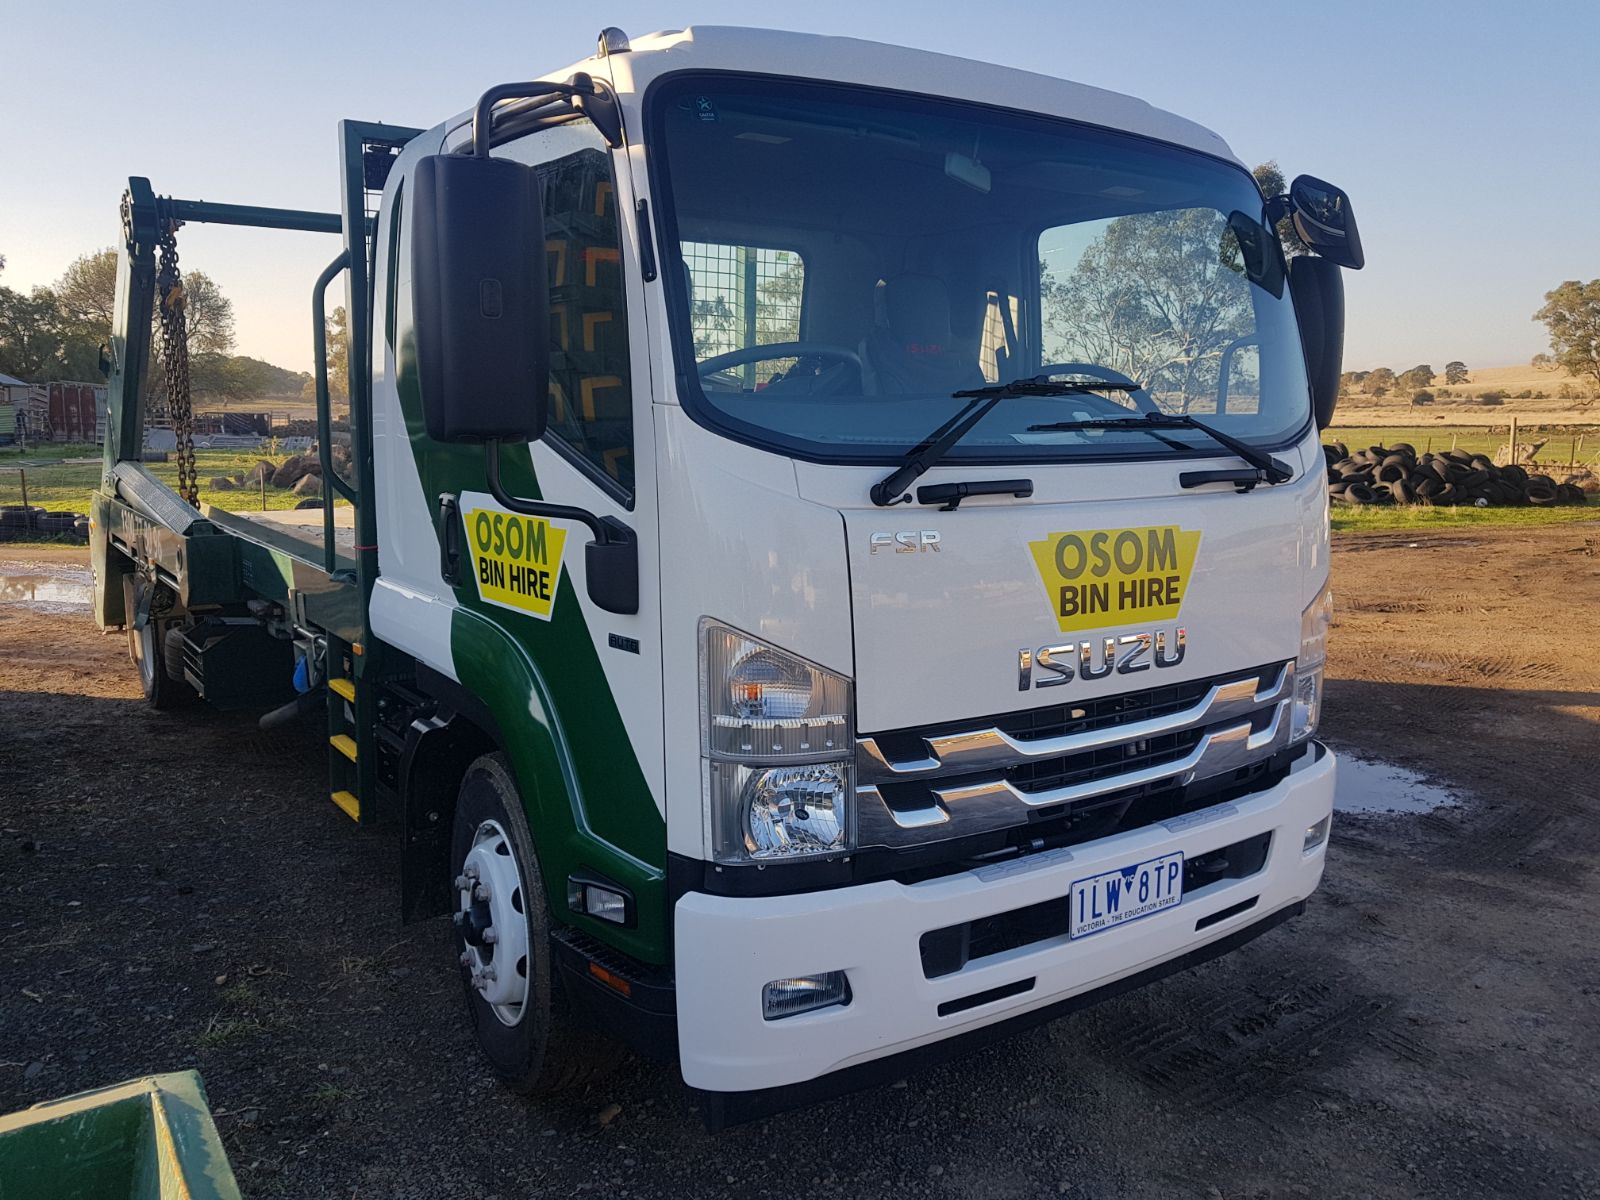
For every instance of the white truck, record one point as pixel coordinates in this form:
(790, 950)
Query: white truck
(945, 647)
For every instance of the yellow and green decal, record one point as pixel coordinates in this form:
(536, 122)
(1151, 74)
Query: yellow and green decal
(1102, 578)
(516, 559)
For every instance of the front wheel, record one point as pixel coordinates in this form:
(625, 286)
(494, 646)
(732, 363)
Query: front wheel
(519, 1011)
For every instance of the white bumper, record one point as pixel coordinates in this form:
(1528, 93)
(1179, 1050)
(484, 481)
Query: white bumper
(727, 948)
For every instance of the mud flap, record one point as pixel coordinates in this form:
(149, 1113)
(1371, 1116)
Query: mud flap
(436, 756)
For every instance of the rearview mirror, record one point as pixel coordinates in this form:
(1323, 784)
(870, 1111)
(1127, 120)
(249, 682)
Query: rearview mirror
(1325, 221)
(1318, 291)
(480, 298)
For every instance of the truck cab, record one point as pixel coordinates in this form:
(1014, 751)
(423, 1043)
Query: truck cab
(886, 606)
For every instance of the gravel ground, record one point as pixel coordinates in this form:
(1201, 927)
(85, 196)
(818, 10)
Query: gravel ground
(175, 891)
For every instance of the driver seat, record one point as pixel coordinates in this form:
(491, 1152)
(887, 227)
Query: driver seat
(909, 350)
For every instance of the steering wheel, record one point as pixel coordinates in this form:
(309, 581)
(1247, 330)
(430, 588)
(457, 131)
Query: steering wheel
(771, 350)
(1140, 397)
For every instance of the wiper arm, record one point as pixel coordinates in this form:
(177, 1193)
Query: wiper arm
(1043, 385)
(1268, 469)
(891, 489)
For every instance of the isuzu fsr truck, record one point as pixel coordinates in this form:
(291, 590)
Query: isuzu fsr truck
(839, 557)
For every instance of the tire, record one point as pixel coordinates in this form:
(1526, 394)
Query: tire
(147, 651)
(1402, 492)
(1540, 493)
(1514, 474)
(529, 1033)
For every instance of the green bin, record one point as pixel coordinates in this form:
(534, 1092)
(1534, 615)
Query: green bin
(147, 1139)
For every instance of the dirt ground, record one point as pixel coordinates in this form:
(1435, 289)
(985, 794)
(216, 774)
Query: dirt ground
(176, 891)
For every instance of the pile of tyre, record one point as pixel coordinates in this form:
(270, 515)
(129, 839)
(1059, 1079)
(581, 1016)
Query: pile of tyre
(19, 521)
(1399, 475)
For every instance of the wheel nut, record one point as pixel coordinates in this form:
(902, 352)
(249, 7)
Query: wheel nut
(462, 883)
(460, 919)
(481, 892)
(465, 959)
(490, 937)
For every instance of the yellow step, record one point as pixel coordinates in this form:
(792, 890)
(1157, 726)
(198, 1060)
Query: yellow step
(349, 804)
(344, 744)
(345, 688)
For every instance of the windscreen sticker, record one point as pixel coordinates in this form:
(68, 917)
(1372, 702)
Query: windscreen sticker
(1100, 578)
(516, 559)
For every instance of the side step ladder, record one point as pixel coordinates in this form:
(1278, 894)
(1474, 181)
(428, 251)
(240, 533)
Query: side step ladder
(345, 768)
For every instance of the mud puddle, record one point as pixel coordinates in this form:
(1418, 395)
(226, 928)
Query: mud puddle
(1371, 785)
(46, 587)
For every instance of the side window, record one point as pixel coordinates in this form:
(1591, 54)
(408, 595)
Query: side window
(591, 384)
(744, 296)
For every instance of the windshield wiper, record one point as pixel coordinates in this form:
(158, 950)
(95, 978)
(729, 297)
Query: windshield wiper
(1267, 468)
(891, 489)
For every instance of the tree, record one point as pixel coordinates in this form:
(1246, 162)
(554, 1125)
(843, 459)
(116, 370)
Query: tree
(87, 290)
(1157, 296)
(1542, 362)
(1270, 179)
(209, 315)
(338, 358)
(1456, 372)
(1572, 315)
(30, 333)
(1416, 378)
(1352, 381)
(1381, 381)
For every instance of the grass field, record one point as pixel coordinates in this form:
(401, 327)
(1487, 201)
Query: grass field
(65, 486)
(1345, 518)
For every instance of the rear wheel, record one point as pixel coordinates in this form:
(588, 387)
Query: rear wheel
(146, 643)
(519, 1011)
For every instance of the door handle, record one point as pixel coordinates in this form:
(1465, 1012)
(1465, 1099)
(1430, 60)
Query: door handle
(449, 538)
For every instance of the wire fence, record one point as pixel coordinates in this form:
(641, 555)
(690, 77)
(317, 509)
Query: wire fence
(742, 296)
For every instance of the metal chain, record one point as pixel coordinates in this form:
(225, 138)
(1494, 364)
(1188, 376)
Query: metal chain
(175, 358)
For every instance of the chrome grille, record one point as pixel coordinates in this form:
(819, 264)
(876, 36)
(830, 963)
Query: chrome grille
(917, 786)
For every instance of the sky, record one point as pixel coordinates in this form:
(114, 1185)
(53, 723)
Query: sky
(1462, 130)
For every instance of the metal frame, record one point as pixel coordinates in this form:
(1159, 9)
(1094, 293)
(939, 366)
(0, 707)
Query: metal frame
(147, 515)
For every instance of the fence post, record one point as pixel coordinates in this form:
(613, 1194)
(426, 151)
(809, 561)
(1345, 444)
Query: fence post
(1513, 457)
(23, 472)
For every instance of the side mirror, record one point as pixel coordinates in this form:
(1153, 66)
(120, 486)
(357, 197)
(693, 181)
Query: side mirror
(480, 293)
(1318, 291)
(1325, 221)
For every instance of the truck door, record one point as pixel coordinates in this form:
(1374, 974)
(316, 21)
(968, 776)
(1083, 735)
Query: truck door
(598, 454)
(519, 591)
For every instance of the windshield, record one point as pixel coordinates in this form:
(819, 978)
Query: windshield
(840, 261)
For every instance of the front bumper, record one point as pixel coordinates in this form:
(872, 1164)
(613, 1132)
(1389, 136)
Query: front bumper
(727, 948)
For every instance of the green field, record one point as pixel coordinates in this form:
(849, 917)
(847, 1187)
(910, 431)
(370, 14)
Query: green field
(1347, 518)
(65, 486)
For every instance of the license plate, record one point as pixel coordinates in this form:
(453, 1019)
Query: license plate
(1117, 897)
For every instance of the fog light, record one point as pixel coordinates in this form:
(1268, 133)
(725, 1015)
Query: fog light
(1318, 833)
(805, 993)
(605, 902)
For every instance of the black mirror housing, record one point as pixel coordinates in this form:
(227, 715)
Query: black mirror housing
(481, 298)
(1318, 291)
(1326, 222)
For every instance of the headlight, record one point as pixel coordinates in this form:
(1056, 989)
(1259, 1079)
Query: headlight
(1314, 623)
(778, 751)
